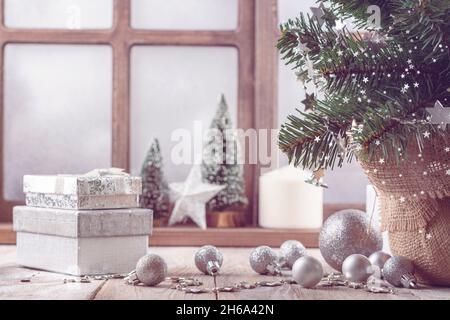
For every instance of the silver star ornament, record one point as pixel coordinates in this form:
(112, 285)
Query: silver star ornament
(318, 13)
(191, 197)
(439, 115)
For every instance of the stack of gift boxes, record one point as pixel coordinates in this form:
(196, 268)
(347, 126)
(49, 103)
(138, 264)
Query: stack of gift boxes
(82, 224)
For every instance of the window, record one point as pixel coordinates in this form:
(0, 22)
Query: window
(105, 122)
(123, 37)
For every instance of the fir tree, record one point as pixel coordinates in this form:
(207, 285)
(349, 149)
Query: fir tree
(221, 161)
(155, 190)
(377, 84)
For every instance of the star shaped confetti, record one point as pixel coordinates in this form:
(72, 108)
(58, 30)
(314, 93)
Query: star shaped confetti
(191, 198)
(318, 13)
(439, 114)
(302, 48)
(317, 178)
(329, 17)
(309, 101)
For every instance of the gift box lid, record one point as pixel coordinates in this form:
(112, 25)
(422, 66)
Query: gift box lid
(96, 182)
(83, 223)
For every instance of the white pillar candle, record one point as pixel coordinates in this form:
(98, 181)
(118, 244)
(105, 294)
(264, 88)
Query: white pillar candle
(287, 201)
(373, 210)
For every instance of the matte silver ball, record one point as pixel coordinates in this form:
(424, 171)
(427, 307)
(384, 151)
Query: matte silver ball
(307, 271)
(204, 255)
(378, 259)
(151, 269)
(357, 268)
(345, 233)
(397, 267)
(263, 260)
(291, 251)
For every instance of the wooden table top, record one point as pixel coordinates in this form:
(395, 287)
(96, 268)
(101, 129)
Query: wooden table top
(47, 285)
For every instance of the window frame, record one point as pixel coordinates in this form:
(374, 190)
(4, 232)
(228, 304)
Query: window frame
(254, 38)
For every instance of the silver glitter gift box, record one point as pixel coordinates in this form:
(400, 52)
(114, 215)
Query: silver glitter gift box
(80, 242)
(98, 189)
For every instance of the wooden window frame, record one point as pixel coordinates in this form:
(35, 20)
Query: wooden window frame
(122, 37)
(254, 38)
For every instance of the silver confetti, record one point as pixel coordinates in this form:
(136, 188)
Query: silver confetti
(269, 283)
(245, 285)
(195, 290)
(377, 289)
(226, 289)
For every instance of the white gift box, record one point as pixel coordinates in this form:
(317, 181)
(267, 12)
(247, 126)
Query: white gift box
(98, 189)
(81, 242)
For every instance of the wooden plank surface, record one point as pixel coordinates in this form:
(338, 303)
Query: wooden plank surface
(45, 285)
(42, 285)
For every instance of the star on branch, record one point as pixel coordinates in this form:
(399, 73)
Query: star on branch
(318, 13)
(329, 17)
(317, 178)
(439, 115)
(309, 102)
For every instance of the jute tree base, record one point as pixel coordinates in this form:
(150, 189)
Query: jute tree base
(429, 248)
(414, 197)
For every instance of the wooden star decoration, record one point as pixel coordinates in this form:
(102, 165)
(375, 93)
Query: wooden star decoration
(191, 198)
(439, 115)
(309, 101)
(317, 178)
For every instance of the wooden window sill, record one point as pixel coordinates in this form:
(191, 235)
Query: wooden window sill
(226, 237)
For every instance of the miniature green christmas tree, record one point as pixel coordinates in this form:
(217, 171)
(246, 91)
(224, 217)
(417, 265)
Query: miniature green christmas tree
(381, 88)
(221, 162)
(155, 190)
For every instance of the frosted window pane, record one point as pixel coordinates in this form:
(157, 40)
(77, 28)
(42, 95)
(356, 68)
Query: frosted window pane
(57, 111)
(347, 184)
(171, 87)
(184, 14)
(59, 14)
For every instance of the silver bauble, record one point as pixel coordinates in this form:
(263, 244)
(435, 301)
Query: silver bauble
(378, 259)
(264, 260)
(307, 271)
(206, 257)
(345, 233)
(291, 251)
(357, 268)
(151, 269)
(398, 271)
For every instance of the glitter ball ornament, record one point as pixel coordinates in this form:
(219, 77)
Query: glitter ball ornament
(264, 260)
(345, 233)
(151, 269)
(208, 259)
(357, 268)
(307, 271)
(398, 271)
(291, 250)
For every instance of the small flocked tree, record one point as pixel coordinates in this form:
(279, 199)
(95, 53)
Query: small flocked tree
(155, 190)
(221, 162)
(382, 87)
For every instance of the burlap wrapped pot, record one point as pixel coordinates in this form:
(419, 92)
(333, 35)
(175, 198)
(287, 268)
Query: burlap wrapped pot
(414, 198)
